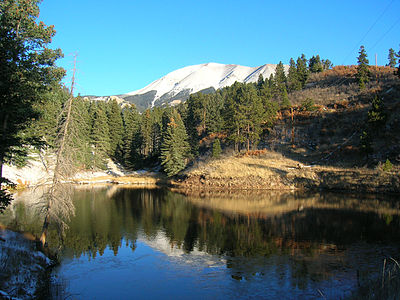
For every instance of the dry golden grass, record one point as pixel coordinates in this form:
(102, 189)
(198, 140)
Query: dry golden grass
(149, 179)
(264, 165)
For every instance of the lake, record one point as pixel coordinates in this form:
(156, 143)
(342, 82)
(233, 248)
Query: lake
(125, 243)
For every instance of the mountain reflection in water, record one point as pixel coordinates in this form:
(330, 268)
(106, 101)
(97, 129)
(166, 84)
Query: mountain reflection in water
(249, 245)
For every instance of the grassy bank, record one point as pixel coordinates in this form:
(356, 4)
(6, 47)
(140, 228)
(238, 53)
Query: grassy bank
(272, 171)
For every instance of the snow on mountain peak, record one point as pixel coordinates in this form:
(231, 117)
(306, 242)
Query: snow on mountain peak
(192, 79)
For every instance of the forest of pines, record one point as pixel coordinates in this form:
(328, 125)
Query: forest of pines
(170, 137)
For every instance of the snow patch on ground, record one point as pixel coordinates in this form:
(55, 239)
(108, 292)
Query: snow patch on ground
(39, 171)
(21, 266)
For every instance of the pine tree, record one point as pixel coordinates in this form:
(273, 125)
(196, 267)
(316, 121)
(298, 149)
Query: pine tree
(100, 137)
(293, 78)
(145, 134)
(327, 64)
(280, 77)
(285, 103)
(216, 149)
(116, 129)
(79, 134)
(392, 58)
(315, 64)
(362, 69)
(377, 114)
(302, 70)
(27, 69)
(197, 119)
(175, 148)
(131, 120)
(260, 82)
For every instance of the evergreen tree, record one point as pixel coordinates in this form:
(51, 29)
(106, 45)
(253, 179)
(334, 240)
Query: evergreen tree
(315, 64)
(27, 69)
(78, 137)
(302, 70)
(145, 133)
(131, 120)
(377, 114)
(327, 64)
(244, 114)
(260, 82)
(214, 122)
(43, 129)
(100, 137)
(196, 121)
(116, 129)
(280, 77)
(216, 149)
(392, 58)
(294, 83)
(285, 100)
(362, 69)
(175, 148)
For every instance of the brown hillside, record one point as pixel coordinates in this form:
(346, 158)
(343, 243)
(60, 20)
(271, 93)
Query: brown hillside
(330, 135)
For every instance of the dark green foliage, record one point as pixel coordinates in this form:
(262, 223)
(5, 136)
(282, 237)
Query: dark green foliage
(196, 118)
(362, 69)
(392, 58)
(308, 105)
(377, 115)
(280, 77)
(387, 166)
(294, 83)
(326, 64)
(175, 148)
(376, 120)
(131, 120)
(27, 70)
(216, 149)
(44, 127)
(145, 132)
(302, 70)
(285, 103)
(5, 196)
(315, 64)
(244, 114)
(260, 82)
(116, 130)
(366, 143)
(78, 139)
(100, 137)
(398, 61)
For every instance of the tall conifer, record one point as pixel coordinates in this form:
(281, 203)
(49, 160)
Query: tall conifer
(362, 69)
(175, 148)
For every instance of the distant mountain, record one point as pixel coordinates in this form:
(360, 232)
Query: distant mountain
(176, 86)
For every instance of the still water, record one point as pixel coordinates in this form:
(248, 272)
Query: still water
(125, 243)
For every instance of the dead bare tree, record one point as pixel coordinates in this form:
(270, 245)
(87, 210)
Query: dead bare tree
(58, 200)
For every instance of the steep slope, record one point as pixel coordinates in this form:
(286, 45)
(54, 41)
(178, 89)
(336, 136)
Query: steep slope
(179, 84)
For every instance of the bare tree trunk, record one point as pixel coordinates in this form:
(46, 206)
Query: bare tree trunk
(59, 170)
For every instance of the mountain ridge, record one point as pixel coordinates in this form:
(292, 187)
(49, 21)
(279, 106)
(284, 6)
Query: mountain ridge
(176, 86)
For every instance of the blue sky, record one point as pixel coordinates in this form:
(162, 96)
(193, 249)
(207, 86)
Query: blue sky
(125, 45)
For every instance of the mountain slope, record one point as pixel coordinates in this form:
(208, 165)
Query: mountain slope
(179, 84)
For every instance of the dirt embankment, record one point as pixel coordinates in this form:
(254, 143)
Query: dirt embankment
(272, 171)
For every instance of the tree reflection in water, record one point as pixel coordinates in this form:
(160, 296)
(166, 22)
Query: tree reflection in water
(302, 238)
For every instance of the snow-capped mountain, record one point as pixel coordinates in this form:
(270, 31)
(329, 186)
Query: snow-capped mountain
(178, 85)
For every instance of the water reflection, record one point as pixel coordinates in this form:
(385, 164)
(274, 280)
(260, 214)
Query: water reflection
(304, 243)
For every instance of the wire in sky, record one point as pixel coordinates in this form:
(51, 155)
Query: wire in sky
(368, 31)
(380, 39)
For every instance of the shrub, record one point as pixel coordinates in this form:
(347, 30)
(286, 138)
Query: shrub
(216, 149)
(387, 166)
(308, 105)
